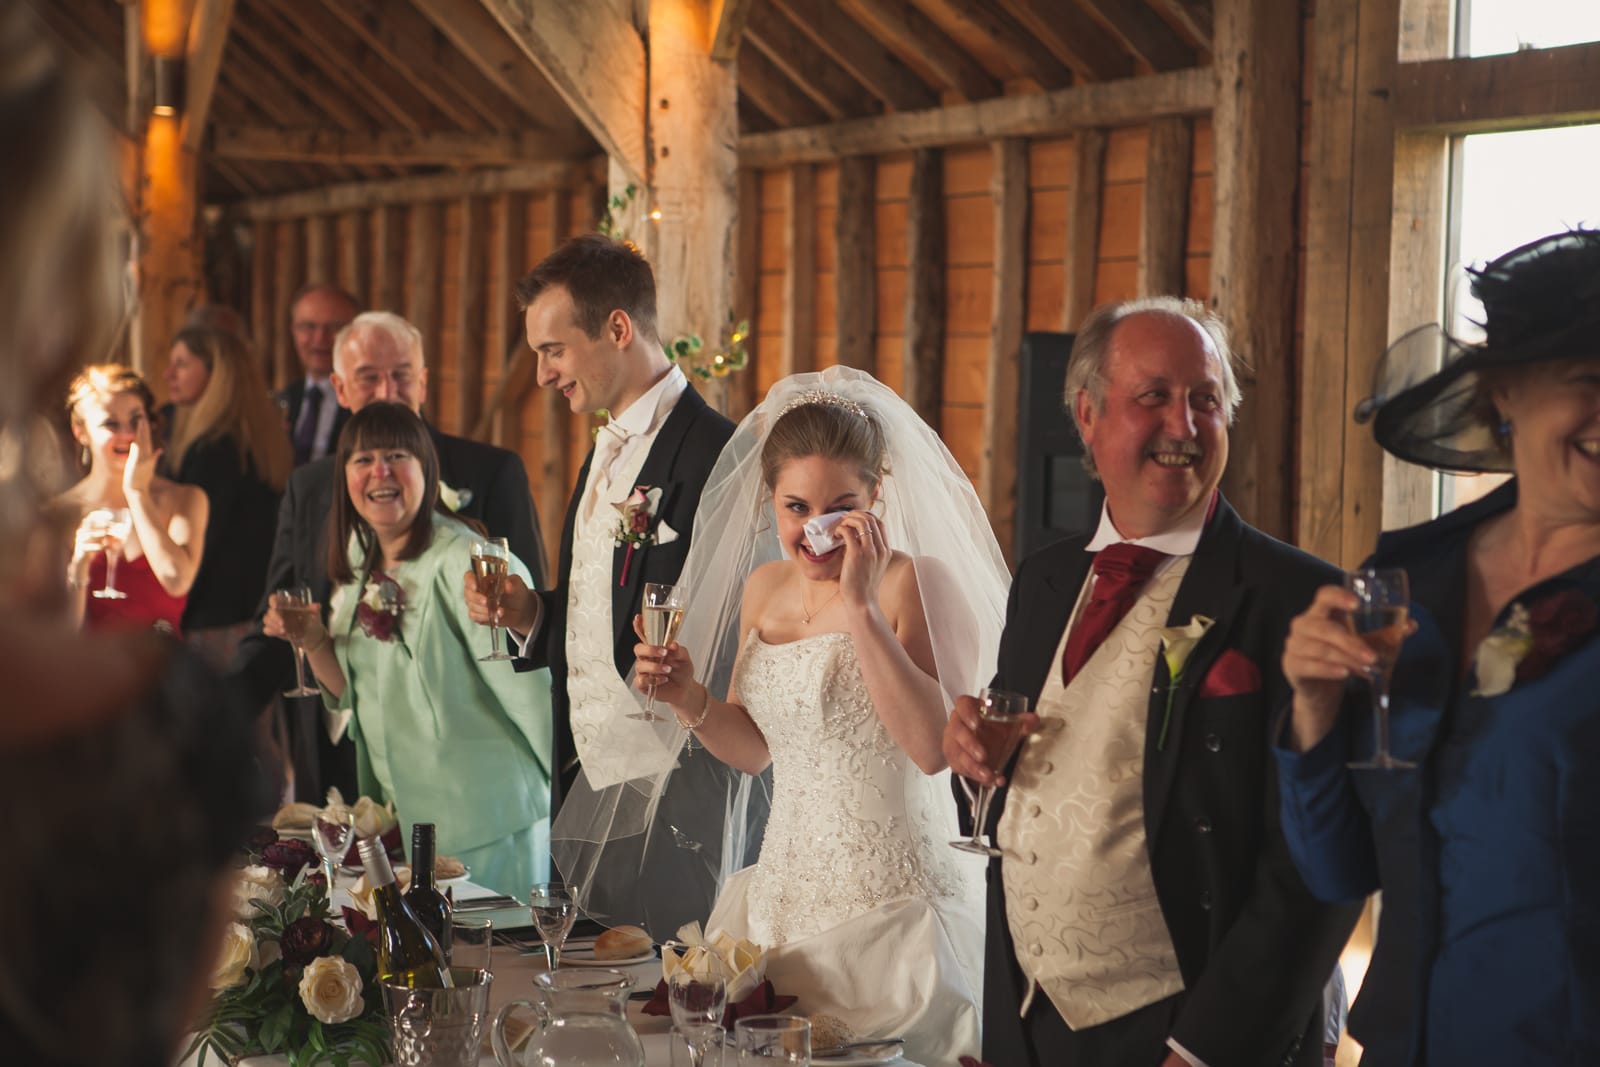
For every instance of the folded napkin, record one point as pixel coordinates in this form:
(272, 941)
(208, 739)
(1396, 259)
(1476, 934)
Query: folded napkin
(764, 1000)
(819, 532)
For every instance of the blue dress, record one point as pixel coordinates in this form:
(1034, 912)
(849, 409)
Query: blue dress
(1488, 854)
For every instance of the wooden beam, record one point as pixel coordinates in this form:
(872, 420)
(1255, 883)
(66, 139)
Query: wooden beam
(555, 415)
(1190, 18)
(997, 34)
(388, 258)
(922, 362)
(472, 275)
(800, 270)
(321, 260)
(289, 275)
(884, 76)
(924, 47)
(997, 477)
(394, 147)
(1073, 37)
(593, 55)
(355, 263)
(208, 37)
(1164, 222)
(1142, 32)
(727, 24)
(509, 248)
(1517, 91)
(424, 247)
(526, 179)
(855, 277)
(775, 93)
(1129, 102)
(1083, 226)
(1253, 262)
(816, 75)
(264, 322)
(268, 64)
(741, 391)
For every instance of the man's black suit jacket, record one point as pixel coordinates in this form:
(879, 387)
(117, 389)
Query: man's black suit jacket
(293, 395)
(678, 463)
(1254, 946)
(493, 483)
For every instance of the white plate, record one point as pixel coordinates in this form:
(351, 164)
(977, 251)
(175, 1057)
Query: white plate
(864, 1058)
(583, 956)
(462, 877)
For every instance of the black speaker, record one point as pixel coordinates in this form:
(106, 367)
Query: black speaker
(1055, 495)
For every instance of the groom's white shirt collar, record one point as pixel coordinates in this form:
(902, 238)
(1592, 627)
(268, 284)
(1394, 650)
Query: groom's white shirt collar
(645, 415)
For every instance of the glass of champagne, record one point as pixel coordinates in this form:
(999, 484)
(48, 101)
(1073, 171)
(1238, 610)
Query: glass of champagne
(491, 563)
(332, 831)
(298, 611)
(663, 614)
(554, 906)
(115, 525)
(999, 731)
(1380, 619)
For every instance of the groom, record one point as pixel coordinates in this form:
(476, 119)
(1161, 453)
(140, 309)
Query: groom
(590, 314)
(1144, 909)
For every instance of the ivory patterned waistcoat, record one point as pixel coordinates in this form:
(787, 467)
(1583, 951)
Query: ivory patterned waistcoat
(1080, 899)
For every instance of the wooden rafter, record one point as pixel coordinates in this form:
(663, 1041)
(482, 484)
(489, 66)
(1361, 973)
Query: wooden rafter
(266, 59)
(527, 178)
(803, 63)
(208, 36)
(728, 20)
(592, 53)
(1142, 32)
(1123, 103)
(1007, 50)
(1519, 90)
(884, 76)
(924, 47)
(100, 70)
(769, 89)
(1190, 18)
(1073, 37)
(401, 148)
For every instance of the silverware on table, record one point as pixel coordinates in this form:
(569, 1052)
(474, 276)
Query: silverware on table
(884, 1043)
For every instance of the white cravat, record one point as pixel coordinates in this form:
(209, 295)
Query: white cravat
(608, 445)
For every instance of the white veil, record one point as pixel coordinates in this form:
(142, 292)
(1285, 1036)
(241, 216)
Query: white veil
(929, 510)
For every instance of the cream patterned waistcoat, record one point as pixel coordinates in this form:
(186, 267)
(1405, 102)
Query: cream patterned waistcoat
(1080, 899)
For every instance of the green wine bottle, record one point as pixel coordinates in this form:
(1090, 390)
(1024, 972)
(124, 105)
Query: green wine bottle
(431, 907)
(408, 954)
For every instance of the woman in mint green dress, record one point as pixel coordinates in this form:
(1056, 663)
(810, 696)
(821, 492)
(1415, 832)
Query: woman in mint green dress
(452, 741)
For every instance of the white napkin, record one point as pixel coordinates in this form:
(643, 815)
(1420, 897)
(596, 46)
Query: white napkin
(819, 532)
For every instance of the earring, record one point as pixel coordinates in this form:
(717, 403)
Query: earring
(1502, 430)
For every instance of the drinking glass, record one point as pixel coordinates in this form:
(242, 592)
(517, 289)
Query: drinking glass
(698, 1003)
(1379, 619)
(115, 524)
(295, 605)
(999, 731)
(472, 942)
(554, 906)
(700, 1048)
(332, 830)
(773, 1039)
(663, 614)
(491, 563)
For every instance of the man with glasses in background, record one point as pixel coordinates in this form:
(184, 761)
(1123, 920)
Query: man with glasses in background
(316, 315)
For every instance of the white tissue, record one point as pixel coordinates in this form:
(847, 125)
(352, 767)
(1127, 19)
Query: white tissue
(819, 532)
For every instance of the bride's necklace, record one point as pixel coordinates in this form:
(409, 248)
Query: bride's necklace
(808, 613)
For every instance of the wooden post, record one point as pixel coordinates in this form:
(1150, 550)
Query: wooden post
(472, 268)
(741, 391)
(288, 276)
(1256, 124)
(426, 241)
(854, 275)
(170, 278)
(555, 416)
(509, 248)
(264, 323)
(800, 270)
(388, 258)
(997, 480)
(1083, 226)
(922, 365)
(1164, 223)
(355, 265)
(322, 265)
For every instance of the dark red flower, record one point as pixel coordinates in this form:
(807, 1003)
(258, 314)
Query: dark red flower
(376, 624)
(360, 926)
(641, 521)
(1557, 624)
(289, 856)
(969, 1061)
(304, 940)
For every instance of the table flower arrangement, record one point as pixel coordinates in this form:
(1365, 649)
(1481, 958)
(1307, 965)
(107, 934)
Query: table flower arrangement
(741, 962)
(289, 980)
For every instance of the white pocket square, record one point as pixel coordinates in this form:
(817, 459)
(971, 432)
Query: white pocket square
(336, 722)
(665, 534)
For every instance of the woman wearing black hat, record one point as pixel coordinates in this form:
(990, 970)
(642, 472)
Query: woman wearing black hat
(1487, 850)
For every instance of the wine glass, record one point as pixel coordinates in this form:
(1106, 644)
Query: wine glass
(332, 830)
(115, 524)
(663, 614)
(698, 1004)
(297, 609)
(491, 563)
(1379, 619)
(764, 1039)
(999, 731)
(554, 906)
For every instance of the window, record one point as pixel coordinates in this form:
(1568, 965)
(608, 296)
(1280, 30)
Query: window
(1489, 27)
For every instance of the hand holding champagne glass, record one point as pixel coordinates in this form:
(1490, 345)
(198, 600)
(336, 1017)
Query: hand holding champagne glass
(999, 729)
(113, 525)
(298, 611)
(663, 614)
(1380, 620)
(491, 563)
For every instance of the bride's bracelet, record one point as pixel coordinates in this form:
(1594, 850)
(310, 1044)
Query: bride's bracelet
(705, 709)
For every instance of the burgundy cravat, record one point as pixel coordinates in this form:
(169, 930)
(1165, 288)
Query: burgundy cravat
(1120, 571)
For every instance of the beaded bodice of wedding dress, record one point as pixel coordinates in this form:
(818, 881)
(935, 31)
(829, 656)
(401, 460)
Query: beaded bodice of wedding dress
(854, 824)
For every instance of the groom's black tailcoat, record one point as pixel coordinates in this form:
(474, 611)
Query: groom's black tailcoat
(1255, 948)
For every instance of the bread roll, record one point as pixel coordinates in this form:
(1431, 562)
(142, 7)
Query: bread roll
(830, 1030)
(448, 867)
(622, 943)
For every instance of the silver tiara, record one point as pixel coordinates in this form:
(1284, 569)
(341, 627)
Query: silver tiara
(822, 396)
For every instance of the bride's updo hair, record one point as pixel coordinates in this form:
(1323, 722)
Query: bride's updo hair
(827, 425)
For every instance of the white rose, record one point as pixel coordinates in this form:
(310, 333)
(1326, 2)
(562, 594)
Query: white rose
(330, 989)
(373, 819)
(238, 953)
(256, 883)
(1496, 666)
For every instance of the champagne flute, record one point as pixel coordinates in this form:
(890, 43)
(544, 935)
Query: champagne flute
(1380, 620)
(115, 525)
(298, 611)
(491, 563)
(663, 614)
(999, 732)
(332, 830)
(554, 906)
(698, 1003)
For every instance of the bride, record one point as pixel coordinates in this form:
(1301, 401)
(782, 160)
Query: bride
(845, 663)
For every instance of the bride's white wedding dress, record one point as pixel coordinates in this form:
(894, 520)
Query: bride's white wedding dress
(867, 912)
